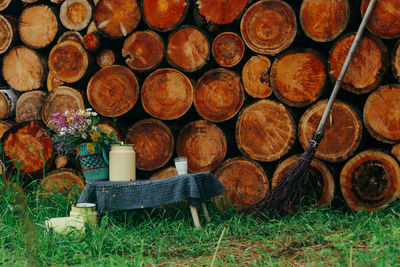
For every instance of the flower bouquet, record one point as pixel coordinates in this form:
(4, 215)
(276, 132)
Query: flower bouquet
(78, 130)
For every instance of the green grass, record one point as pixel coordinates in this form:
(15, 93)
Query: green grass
(166, 237)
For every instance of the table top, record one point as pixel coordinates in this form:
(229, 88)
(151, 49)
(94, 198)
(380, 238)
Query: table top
(113, 196)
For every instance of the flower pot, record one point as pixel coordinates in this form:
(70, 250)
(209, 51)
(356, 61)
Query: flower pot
(93, 162)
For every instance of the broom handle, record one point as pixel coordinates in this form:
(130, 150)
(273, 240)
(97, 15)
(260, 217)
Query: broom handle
(346, 64)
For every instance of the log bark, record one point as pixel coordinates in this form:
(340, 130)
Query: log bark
(4, 4)
(255, 77)
(381, 111)
(221, 12)
(28, 146)
(204, 145)
(8, 102)
(219, 95)
(167, 94)
(4, 126)
(59, 100)
(188, 49)
(68, 61)
(319, 187)
(369, 63)
(38, 26)
(23, 69)
(298, 77)
(75, 14)
(385, 18)
(8, 32)
(164, 15)
(52, 82)
(342, 132)
(245, 181)
(143, 50)
(324, 20)
(265, 130)
(396, 61)
(65, 181)
(70, 36)
(154, 143)
(117, 18)
(268, 27)
(164, 173)
(29, 106)
(370, 180)
(113, 91)
(228, 49)
(105, 58)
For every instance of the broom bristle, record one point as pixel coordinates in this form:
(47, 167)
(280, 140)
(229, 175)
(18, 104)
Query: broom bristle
(286, 195)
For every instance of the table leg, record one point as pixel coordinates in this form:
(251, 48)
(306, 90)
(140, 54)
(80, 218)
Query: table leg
(204, 207)
(195, 216)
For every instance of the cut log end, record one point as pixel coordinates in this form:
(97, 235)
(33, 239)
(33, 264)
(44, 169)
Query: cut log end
(37, 26)
(381, 113)
(228, 49)
(167, 94)
(204, 145)
(70, 36)
(298, 77)
(268, 27)
(219, 95)
(52, 82)
(221, 12)
(68, 61)
(105, 58)
(75, 14)
(67, 182)
(8, 32)
(164, 173)
(154, 143)
(143, 50)
(370, 180)
(91, 41)
(265, 130)
(29, 106)
(323, 21)
(342, 131)
(245, 182)
(113, 91)
(255, 76)
(396, 61)
(164, 15)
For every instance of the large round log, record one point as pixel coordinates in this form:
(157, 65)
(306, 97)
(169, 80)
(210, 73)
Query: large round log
(245, 181)
(113, 91)
(154, 143)
(59, 100)
(298, 77)
(221, 12)
(29, 106)
(8, 32)
(204, 145)
(117, 18)
(167, 94)
(396, 61)
(342, 131)
(255, 76)
(8, 102)
(324, 20)
(75, 14)
(265, 130)
(188, 49)
(228, 49)
(67, 182)
(381, 113)
(143, 50)
(319, 185)
(23, 69)
(268, 26)
(38, 26)
(369, 63)
(68, 61)
(28, 146)
(164, 15)
(385, 18)
(370, 180)
(219, 95)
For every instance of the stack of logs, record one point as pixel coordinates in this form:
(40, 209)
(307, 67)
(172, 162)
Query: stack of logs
(237, 86)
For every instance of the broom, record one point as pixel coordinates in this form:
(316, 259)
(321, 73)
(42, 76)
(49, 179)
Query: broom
(285, 196)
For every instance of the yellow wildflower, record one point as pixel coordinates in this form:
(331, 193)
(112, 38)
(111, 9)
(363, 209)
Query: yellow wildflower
(90, 147)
